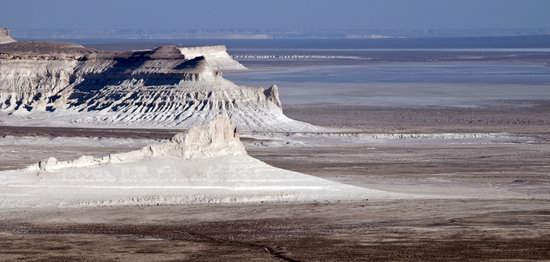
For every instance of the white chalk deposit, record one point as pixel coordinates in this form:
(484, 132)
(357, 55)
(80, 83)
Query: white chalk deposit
(5, 36)
(216, 56)
(47, 83)
(208, 164)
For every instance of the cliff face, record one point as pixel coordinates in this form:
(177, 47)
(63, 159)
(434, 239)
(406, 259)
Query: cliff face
(33, 84)
(207, 164)
(216, 55)
(217, 138)
(5, 36)
(164, 87)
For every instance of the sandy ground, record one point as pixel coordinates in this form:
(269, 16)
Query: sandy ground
(507, 215)
(514, 116)
(442, 230)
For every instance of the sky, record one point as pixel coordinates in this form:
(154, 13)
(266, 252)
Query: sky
(274, 14)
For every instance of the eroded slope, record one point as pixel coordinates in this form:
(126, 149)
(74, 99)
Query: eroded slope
(208, 164)
(46, 83)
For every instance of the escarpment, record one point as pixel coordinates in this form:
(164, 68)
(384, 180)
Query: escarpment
(205, 164)
(5, 36)
(216, 138)
(216, 55)
(168, 86)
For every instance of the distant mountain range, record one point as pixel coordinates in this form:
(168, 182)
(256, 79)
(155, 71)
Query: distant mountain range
(267, 33)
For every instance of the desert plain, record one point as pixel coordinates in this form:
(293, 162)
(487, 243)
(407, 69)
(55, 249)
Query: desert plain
(478, 197)
(465, 160)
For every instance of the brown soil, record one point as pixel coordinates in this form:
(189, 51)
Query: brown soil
(530, 117)
(434, 230)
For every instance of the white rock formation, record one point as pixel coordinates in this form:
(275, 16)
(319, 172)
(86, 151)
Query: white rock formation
(217, 57)
(215, 139)
(206, 165)
(74, 85)
(272, 94)
(5, 36)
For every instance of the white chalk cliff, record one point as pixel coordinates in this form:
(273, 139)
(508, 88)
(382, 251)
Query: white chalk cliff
(5, 36)
(208, 164)
(215, 139)
(48, 83)
(216, 56)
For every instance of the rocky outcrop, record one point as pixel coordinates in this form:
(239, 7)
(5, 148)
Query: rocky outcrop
(272, 94)
(163, 87)
(208, 164)
(5, 36)
(39, 76)
(34, 85)
(215, 139)
(217, 57)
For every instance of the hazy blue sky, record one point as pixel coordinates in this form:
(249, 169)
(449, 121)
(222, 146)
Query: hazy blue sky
(303, 14)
